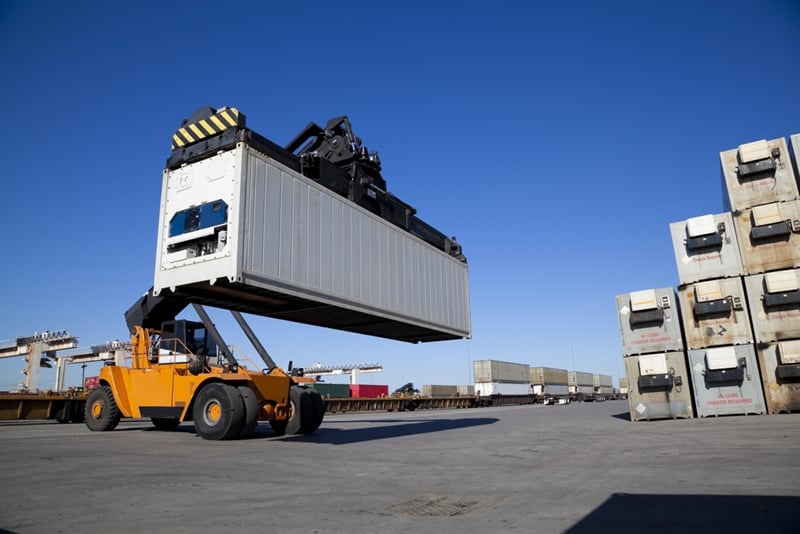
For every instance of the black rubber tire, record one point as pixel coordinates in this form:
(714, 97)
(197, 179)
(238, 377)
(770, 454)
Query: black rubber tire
(302, 411)
(218, 412)
(165, 423)
(101, 412)
(317, 412)
(279, 427)
(251, 410)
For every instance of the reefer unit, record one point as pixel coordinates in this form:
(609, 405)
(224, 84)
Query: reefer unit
(726, 381)
(240, 230)
(485, 389)
(774, 301)
(649, 321)
(769, 236)
(780, 374)
(549, 375)
(498, 371)
(757, 173)
(658, 386)
(714, 313)
(705, 248)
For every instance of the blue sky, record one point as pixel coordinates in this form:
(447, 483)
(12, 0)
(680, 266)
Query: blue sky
(556, 140)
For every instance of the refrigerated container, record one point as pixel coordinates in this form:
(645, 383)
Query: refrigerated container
(774, 302)
(649, 321)
(769, 236)
(659, 386)
(242, 231)
(715, 313)
(705, 248)
(779, 364)
(726, 381)
(757, 173)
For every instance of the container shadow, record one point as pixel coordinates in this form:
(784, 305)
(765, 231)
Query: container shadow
(625, 416)
(335, 436)
(632, 513)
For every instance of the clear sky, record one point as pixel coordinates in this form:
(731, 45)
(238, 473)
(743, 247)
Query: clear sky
(556, 140)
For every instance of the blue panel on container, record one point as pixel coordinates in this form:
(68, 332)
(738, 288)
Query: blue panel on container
(199, 217)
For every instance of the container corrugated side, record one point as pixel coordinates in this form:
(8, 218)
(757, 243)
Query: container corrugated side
(601, 380)
(295, 250)
(580, 378)
(436, 390)
(549, 375)
(368, 391)
(500, 371)
(333, 391)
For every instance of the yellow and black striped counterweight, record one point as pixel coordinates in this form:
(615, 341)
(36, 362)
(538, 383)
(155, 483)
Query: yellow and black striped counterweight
(206, 123)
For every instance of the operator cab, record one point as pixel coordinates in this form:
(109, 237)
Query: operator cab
(187, 337)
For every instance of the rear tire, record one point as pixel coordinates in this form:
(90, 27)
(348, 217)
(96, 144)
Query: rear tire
(164, 423)
(251, 410)
(218, 412)
(102, 412)
(317, 412)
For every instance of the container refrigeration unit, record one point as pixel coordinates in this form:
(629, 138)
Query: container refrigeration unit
(769, 236)
(774, 301)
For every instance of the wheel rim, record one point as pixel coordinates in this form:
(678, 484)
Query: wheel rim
(97, 410)
(212, 413)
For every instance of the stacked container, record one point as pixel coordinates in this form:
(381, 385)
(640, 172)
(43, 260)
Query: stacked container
(763, 194)
(581, 383)
(654, 354)
(549, 381)
(493, 377)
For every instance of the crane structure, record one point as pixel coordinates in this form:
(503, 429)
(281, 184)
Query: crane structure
(39, 350)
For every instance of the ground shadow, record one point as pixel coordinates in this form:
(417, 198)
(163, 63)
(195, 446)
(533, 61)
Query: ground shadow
(709, 514)
(625, 416)
(335, 436)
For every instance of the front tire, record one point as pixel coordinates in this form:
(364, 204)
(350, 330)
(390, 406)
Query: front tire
(102, 413)
(218, 412)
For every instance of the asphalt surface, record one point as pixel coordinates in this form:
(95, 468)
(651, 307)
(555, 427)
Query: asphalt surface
(574, 468)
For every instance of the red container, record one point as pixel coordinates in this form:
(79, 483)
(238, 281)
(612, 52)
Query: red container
(91, 382)
(368, 391)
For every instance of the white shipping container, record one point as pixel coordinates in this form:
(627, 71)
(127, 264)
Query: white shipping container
(242, 231)
(485, 389)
